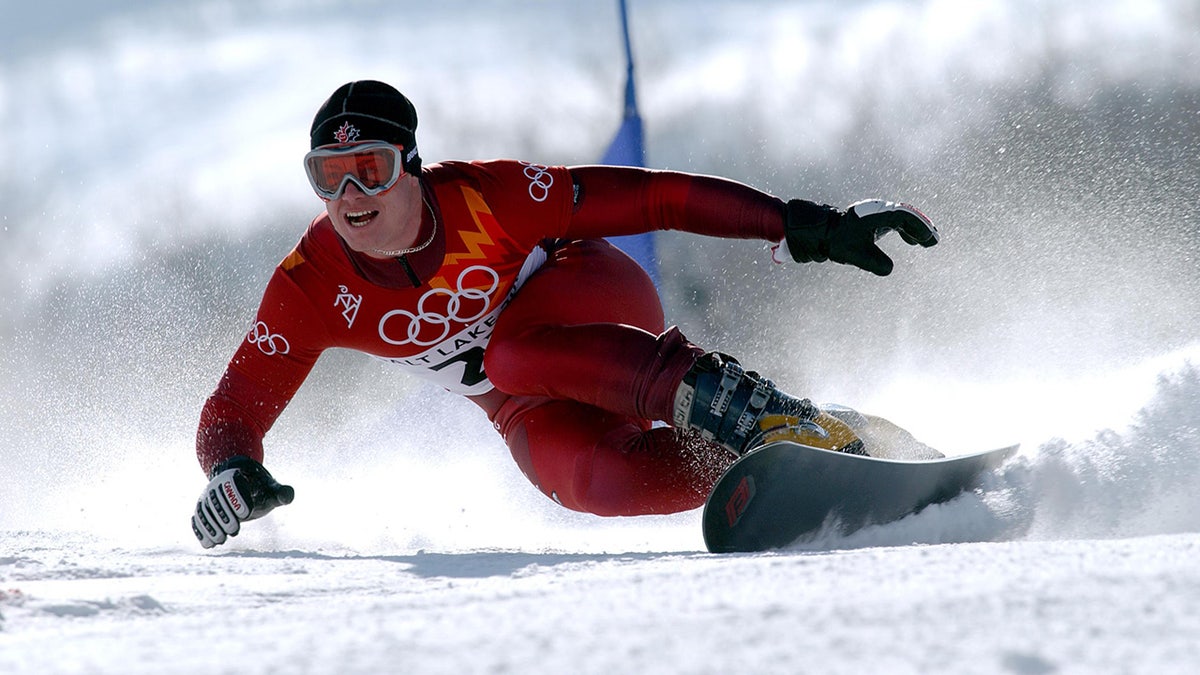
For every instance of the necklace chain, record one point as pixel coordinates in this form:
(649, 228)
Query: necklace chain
(418, 247)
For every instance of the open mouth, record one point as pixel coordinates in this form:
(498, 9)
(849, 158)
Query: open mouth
(360, 218)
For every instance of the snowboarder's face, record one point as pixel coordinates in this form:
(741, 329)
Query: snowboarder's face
(374, 224)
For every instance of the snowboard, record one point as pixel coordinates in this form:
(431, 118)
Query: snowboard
(782, 492)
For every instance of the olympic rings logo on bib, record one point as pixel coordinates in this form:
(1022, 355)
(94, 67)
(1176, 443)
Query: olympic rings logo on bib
(268, 343)
(440, 308)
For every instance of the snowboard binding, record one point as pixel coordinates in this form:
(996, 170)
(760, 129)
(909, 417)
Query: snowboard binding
(741, 410)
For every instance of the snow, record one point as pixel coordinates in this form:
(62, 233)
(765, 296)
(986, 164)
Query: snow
(1069, 558)
(1059, 312)
(1033, 607)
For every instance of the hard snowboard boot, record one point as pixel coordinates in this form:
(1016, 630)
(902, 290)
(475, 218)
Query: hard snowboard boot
(740, 410)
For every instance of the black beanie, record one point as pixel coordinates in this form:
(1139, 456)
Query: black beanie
(368, 111)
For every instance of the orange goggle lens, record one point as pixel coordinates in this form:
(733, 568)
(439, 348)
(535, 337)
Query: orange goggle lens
(372, 167)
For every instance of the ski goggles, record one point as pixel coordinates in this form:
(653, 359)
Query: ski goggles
(373, 167)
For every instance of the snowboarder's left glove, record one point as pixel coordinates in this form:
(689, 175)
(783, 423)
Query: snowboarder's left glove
(817, 232)
(240, 490)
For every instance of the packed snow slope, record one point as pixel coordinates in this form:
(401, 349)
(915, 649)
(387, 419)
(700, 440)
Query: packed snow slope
(153, 180)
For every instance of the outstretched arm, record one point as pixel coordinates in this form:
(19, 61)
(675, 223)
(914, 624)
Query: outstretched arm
(263, 375)
(614, 201)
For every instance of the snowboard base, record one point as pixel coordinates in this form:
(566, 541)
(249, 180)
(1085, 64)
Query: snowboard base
(779, 493)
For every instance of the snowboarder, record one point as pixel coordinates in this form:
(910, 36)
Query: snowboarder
(493, 280)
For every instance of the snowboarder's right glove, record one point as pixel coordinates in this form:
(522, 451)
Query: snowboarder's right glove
(816, 232)
(240, 490)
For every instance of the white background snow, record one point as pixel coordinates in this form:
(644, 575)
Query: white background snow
(151, 181)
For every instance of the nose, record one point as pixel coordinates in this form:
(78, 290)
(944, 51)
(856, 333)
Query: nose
(351, 188)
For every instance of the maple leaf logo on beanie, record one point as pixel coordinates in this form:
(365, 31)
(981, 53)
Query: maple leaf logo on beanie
(346, 133)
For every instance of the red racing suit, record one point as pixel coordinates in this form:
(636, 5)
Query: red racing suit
(520, 305)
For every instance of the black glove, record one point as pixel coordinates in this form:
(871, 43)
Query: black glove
(240, 490)
(816, 232)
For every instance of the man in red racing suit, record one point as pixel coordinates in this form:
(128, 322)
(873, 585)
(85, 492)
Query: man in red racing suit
(493, 280)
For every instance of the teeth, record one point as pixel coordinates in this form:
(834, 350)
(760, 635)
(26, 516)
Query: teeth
(360, 218)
